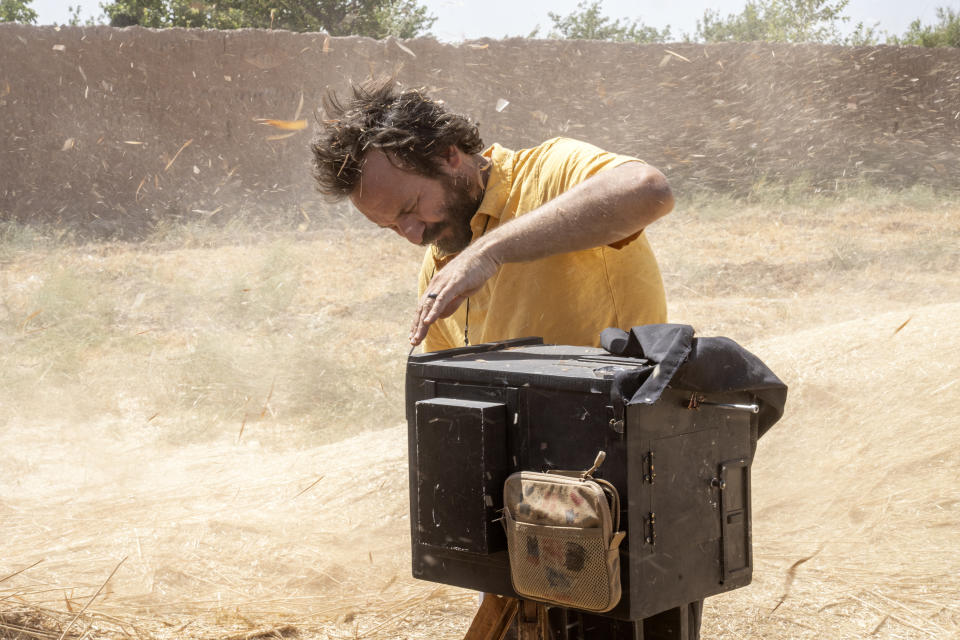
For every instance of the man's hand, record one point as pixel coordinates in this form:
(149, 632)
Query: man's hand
(450, 286)
(604, 209)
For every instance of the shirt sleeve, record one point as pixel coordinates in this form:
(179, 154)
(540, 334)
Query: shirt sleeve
(566, 162)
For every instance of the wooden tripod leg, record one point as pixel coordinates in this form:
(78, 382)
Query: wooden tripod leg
(544, 622)
(493, 618)
(532, 621)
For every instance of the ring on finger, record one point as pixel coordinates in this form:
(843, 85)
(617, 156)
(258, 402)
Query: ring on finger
(433, 296)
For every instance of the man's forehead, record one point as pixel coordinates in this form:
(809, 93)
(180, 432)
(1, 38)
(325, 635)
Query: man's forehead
(376, 160)
(378, 168)
(381, 186)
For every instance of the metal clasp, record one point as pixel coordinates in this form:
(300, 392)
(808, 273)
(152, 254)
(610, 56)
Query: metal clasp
(651, 537)
(651, 473)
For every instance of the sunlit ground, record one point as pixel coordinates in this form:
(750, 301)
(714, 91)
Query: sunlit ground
(213, 420)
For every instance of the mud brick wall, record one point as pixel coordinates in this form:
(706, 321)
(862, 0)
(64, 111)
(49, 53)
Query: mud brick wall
(111, 130)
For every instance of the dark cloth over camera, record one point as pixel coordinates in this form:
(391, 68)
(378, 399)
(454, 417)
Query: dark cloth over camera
(682, 361)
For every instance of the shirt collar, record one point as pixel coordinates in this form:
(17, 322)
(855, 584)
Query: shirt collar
(498, 185)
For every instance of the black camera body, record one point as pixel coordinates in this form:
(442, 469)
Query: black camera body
(681, 466)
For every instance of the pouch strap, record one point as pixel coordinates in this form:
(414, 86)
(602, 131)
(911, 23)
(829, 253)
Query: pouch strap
(601, 456)
(617, 539)
(614, 495)
(583, 475)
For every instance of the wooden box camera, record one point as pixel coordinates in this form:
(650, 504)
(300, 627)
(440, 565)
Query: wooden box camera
(681, 465)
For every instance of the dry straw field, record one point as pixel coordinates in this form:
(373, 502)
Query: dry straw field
(202, 432)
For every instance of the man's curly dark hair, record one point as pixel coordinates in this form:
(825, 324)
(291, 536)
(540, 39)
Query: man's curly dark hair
(406, 124)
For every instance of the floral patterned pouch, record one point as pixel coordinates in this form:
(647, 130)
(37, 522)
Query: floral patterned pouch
(563, 541)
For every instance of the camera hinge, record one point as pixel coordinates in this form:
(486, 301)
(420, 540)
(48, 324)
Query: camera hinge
(651, 526)
(649, 471)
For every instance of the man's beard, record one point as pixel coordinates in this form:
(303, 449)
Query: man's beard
(453, 234)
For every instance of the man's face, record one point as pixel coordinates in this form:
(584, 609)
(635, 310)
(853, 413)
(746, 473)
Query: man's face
(422, 210)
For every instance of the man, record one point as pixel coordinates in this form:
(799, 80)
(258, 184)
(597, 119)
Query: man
(541, 242)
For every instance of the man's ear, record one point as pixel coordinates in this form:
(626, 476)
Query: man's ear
(452, 158)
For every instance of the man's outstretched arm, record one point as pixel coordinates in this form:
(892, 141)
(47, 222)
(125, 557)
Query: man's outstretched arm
(604, 209)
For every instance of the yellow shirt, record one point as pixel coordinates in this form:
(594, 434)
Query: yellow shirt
(567, 298)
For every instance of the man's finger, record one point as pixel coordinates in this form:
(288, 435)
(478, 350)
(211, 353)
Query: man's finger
(443, 310)
(443, 307)
(452, 307)
(446, 305)
(439, 308)
(423, 306)
(419, 330)
(423, 322)
(416, 335)
(434, 310)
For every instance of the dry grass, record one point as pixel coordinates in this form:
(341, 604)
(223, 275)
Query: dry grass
(223, 409)
(200, 335)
